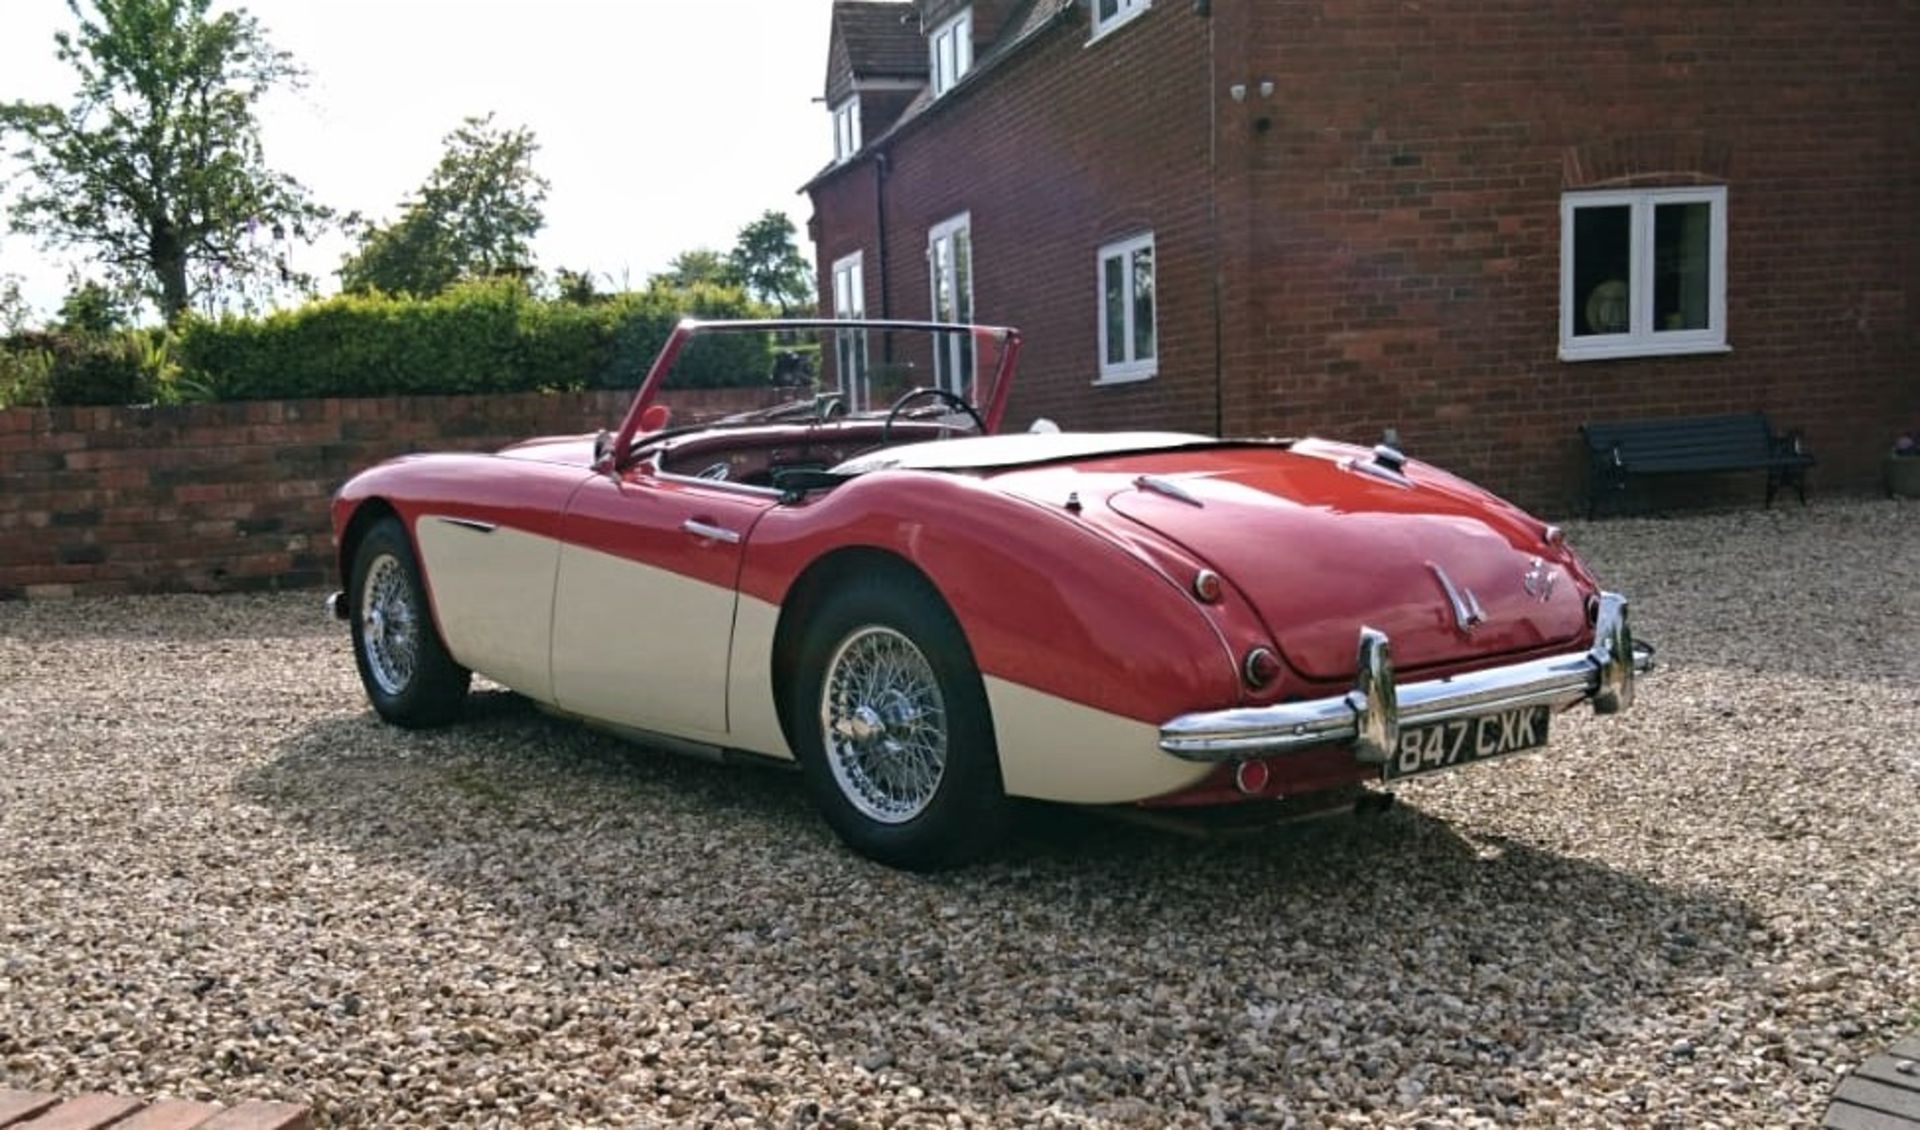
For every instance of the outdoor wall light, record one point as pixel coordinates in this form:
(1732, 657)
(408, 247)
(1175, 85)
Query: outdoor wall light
(1238, 91)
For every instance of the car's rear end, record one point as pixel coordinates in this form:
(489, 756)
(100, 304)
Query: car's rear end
(1387, 619)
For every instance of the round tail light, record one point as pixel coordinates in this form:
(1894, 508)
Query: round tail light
(1261, 667)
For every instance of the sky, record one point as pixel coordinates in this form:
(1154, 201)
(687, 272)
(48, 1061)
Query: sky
(664, 125)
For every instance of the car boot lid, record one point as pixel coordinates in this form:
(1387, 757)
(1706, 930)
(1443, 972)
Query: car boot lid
(1321, 546)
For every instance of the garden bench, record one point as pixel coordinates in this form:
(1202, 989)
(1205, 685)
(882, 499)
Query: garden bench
(1620, 450)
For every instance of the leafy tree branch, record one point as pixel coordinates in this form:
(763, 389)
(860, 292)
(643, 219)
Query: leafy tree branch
(156, 167)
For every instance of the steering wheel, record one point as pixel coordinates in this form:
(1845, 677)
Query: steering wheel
(925, 393)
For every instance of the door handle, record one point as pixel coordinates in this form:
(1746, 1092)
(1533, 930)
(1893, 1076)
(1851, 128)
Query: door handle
(701, 529)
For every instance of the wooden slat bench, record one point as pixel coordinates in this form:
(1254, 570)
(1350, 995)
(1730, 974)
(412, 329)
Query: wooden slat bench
(1880, 1094)
(34, 1110)
(1620, 450)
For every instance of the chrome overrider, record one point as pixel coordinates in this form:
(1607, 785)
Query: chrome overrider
(1370, 716)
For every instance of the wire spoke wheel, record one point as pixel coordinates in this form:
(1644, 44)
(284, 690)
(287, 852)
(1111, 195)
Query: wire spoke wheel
(892, 726)
(410, 678)
(390, 625)
(883, 723)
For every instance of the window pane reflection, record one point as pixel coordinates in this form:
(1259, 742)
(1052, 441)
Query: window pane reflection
(1143, 343)
(1602, 269)
(1682, 241)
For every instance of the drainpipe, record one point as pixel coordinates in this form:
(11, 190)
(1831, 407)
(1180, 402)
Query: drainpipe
(880, 239)
(1205, 12)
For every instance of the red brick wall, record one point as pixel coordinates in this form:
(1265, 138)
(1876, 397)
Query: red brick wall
(220, 497)
(1404, 263)
(1091, 162)
(1388, 220)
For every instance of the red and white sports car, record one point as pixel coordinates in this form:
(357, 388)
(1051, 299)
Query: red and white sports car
(932, 617)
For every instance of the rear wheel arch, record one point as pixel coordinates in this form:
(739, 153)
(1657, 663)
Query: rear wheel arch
(887, 712)
(826, 574)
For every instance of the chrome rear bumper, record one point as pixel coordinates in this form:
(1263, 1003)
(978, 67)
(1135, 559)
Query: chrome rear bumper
(1370, 716)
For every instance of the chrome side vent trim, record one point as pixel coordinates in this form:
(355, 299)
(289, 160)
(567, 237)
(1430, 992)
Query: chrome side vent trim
(473, 524)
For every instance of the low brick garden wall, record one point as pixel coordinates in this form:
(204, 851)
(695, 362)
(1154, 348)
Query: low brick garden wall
(233, 497)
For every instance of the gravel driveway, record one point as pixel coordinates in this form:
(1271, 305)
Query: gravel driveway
(220, 877)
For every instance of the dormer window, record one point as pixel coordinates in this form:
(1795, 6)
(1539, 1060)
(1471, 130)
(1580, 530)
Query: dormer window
(846, 128)
(1110, 14)
(952, 51)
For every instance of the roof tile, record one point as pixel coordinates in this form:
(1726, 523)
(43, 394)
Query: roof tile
(883, 39)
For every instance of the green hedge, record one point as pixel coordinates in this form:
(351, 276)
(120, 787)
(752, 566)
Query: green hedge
(483, 337)
(130, 367)
(475, 338)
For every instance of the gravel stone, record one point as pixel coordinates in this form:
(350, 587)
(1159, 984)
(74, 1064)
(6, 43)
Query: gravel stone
(221, 877)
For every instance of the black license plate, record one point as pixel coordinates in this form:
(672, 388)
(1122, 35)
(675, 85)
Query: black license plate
(1462, 741)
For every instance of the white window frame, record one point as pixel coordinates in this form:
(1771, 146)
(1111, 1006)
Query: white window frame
(851, 362)
(1132, 368)
(947, 68)
(846, 128)
(1126, 11)
(1640, 338)
(947, 347)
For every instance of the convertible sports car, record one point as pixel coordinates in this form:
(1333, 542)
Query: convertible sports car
(931, 616)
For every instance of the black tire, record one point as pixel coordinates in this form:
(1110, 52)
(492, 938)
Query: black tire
(966, 814)
(431, 690)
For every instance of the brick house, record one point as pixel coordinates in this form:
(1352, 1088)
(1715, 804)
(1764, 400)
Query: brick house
(1480, 222)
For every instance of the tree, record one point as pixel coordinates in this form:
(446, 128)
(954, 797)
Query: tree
(690, 268)
(15, 311)
(767, 263)
(577, 288)
(157, 167)
(473, 218)
(93, 308)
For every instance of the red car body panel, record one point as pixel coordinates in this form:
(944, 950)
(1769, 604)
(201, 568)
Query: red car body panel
(1119, 636)
(1318, 549)
(531, 497)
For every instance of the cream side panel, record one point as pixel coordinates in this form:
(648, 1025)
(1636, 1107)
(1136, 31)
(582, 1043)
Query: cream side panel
(493, 599)
(641, 646)
(1053, 749)
(753, 720)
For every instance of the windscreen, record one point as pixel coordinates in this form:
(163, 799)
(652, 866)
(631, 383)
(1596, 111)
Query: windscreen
(851, 369)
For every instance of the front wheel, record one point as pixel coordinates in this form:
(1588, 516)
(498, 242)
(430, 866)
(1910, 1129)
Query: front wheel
(895, 735)
(404, 665)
